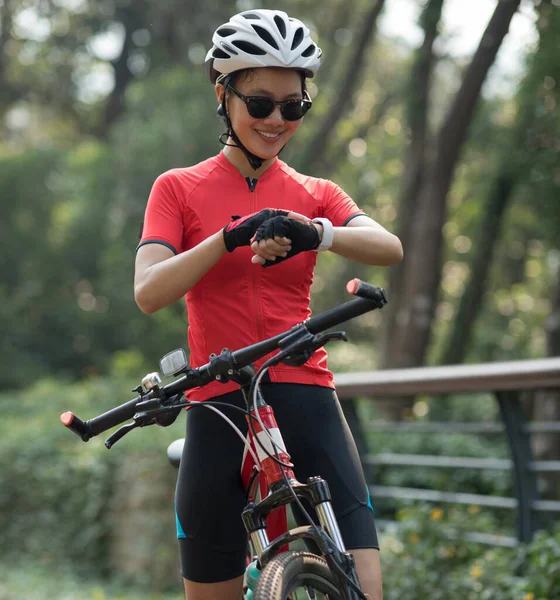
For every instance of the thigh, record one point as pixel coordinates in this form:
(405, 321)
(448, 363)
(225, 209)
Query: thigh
(210, 497)
(320, 442)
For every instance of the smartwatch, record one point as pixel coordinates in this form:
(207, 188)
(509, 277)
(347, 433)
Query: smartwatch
(328, 234)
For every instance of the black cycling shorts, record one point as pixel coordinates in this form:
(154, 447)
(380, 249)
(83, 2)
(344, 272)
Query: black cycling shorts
(210, 495)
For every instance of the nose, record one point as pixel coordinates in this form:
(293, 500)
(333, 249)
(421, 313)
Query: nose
(275, 117)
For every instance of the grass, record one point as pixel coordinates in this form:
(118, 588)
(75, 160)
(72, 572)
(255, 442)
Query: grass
(35, 582)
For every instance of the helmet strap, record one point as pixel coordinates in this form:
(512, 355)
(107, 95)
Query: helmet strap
(254, 161)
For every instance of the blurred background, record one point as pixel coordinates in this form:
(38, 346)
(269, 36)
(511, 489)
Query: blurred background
(439, 117)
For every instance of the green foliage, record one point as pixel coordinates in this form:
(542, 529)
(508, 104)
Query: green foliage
(36, 582)
(471, 408)
(429, 556)
(540, 562)
(61, 501)
(71, 222)
(27, 261)
(539, 98)
(52, 497)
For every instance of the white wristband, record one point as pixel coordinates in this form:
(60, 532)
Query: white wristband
(328, 234)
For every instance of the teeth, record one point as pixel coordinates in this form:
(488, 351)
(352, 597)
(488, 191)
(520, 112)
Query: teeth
(268, 135)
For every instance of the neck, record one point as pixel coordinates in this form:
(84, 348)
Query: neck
(236, 157)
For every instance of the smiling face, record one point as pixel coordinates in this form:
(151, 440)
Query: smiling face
(263, 137)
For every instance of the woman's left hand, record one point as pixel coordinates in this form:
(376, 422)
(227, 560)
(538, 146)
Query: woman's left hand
(276, 248)
(270, 249)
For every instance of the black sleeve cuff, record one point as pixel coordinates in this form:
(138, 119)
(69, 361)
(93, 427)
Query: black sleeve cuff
(166, 244)
(353, 217)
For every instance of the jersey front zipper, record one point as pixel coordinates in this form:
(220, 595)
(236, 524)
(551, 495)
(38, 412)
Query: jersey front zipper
(252, 183)
(254, 274)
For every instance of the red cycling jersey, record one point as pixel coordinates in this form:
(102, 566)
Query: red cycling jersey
(237, 302)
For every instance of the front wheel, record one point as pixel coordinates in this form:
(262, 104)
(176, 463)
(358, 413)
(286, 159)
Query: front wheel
(297, 576)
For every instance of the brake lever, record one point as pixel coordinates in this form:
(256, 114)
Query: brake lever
(141, 419)
(325, 338)
(120, 433)
(297, 357)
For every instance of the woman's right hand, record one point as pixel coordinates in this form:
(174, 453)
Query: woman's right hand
(240, 231)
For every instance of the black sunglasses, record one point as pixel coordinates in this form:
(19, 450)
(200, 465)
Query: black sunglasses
(261, 107)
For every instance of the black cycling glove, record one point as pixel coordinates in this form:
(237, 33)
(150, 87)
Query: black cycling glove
(241, 230)
(304, 236)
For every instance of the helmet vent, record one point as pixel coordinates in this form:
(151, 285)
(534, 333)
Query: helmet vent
(298, 38)
(225, 31)
(281, 26)
(249, 48)
(309, 51)
(217, 53)
(265, 35)
(251, 16)
(229, 48)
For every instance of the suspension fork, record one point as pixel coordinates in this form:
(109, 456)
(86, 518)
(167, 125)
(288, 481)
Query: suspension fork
(317, 491)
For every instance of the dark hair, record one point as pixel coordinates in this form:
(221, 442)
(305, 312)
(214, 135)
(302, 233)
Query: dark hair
(246, 74)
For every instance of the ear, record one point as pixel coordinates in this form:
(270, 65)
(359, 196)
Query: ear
(220, 90)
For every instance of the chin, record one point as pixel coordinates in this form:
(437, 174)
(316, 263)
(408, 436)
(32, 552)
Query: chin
(268, 155)
(264, 153)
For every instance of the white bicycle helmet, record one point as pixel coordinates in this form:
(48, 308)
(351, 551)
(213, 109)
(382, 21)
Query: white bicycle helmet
(262, 38)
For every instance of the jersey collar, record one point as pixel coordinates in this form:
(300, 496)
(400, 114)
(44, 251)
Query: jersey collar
(227, 166)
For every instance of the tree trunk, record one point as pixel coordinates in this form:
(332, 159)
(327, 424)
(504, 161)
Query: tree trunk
(410, 331)
(317, 146)
(546, 406)
(471, 301)
(340, 18)
(5, 33)
(546, 446)
(415, 158)
(132, 17)
(515, 167)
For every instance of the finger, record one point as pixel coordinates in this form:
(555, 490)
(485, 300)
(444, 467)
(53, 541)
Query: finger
(276, 247)
(267, 254)
(284, 241)
(258, 260)
(272, 247)
(298, 217)
(260, 250)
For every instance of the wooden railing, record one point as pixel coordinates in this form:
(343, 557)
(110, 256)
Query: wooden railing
(506, 381)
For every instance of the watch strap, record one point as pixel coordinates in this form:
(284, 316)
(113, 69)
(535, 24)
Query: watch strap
(328, 234)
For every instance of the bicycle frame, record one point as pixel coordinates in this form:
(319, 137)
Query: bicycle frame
(279, 487)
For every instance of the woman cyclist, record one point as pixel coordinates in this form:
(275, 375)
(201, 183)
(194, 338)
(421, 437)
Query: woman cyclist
(238, 235)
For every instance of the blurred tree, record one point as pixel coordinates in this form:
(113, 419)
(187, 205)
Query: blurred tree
(62, 58)
(415, 159)
(409, 331)
(526, 145)
(343, 89)
(547, 402)
(5, 29)
(132, 18)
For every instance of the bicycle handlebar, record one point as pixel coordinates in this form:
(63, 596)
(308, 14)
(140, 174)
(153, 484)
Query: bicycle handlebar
(370, 298)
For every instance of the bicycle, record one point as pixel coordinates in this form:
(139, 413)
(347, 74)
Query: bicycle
(281, 572)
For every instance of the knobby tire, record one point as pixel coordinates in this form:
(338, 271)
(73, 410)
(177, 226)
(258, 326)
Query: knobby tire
(291, 570)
